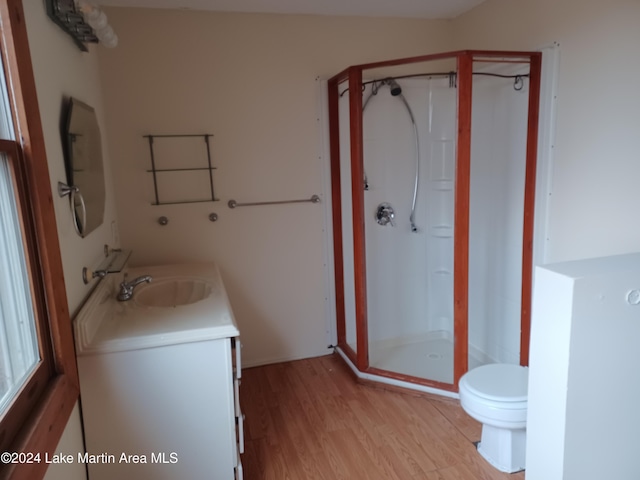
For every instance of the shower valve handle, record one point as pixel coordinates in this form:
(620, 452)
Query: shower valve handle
(385, 214)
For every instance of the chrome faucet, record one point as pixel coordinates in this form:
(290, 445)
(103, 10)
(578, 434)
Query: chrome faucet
(126, 288)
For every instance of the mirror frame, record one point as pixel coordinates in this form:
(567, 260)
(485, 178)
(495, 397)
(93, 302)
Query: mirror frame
(84, 166)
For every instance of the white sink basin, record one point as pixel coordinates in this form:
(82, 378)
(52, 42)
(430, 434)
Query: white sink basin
(183, 303)
(172, 292)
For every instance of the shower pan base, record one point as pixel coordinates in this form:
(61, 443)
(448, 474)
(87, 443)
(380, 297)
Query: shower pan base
(397, 354)
(428, 357)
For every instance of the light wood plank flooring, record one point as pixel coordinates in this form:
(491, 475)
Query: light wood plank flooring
(309, 419)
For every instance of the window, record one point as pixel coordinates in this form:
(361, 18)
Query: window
(38, 376)
(19, 349)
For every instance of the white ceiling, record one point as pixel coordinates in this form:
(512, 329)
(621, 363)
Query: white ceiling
(369, 8)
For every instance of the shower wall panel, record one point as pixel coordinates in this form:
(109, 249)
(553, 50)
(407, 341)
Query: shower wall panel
(410, 274)
(440, 200)
(498, 148)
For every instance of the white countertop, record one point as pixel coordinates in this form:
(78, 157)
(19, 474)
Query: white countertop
(106, 325)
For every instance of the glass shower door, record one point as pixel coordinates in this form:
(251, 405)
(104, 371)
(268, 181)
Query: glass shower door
(409, 258)
(347, 223)
(497, 211)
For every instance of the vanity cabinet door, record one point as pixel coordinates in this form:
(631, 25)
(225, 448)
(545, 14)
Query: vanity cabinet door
(161, 404)
(239, 416)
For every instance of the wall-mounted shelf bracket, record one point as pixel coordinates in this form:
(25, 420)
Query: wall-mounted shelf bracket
(156, 172)
(114, 261)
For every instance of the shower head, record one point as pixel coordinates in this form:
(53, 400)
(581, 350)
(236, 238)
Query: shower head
(394, 87)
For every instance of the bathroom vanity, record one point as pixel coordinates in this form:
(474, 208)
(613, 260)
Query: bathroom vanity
(159, 378)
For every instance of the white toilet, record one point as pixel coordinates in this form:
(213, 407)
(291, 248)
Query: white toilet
(496, 396)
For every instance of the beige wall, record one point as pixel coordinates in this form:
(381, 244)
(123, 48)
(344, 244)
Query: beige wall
(596, 169)
(251, 81)
(62, 70)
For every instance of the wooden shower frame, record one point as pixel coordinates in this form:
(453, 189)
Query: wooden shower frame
(353, 75)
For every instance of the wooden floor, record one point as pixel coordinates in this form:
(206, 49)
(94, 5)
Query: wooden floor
(309, 419)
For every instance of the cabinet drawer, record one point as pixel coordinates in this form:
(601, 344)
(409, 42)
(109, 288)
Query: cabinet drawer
(240, 432)
(239, 472)
(236, 395)
(236, 347)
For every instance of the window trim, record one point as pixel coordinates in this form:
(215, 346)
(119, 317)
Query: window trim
(47, 420)
(26, 400)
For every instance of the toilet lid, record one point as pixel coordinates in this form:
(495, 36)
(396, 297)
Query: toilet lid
(498, 381)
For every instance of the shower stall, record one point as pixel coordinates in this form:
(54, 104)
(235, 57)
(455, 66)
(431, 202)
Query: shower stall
(433, 163)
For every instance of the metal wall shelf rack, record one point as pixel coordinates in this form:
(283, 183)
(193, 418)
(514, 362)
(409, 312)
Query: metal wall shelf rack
(155, 171)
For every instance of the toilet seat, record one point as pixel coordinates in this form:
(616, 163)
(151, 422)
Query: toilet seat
(496, 395)
(500, 382)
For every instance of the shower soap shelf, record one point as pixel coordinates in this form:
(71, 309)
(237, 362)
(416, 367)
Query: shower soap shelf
(166, 177)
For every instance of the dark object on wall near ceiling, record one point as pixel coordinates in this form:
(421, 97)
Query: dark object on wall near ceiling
(67, 16)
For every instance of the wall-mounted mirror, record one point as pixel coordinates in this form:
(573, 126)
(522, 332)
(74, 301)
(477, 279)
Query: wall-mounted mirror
(85, 174)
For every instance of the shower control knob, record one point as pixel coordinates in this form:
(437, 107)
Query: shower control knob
(385, 214)
(633, 297)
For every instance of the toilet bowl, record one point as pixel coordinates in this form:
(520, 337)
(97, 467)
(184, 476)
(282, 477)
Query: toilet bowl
(496, 396)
